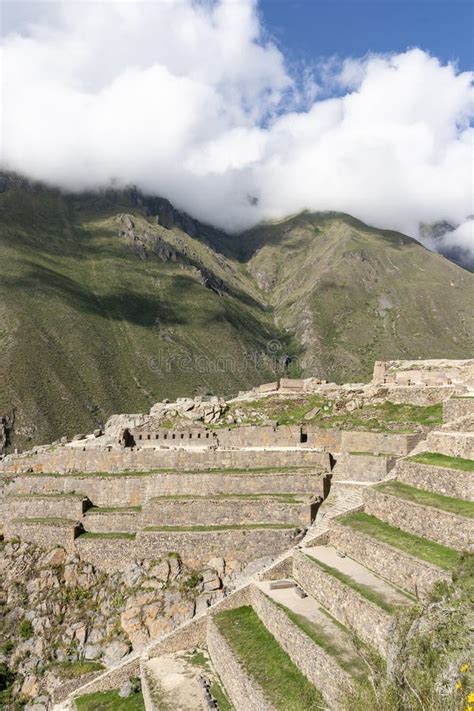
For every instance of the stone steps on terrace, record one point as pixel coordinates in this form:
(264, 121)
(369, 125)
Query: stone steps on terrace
(342, 498)
(355, 596)
(407, 572)
(431, 522)
(321, 648)
(439, 479)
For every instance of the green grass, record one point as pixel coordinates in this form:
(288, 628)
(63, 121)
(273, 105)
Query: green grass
(422, 548)
(442, 460)
(221, 471)
(110, 534)
(346, 657)
(218, 693)
(364, 590)
(79, 305)
(198, 659)
(461, 507)
(109, 701)
(265, 661)
(72, 670)
(230, 527)
(384, 417)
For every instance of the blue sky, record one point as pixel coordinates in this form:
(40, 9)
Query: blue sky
(309, 30)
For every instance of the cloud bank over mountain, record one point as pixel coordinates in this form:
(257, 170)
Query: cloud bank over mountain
(192, 101)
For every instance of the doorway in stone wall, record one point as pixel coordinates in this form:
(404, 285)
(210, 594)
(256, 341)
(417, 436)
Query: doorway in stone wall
(128, 440)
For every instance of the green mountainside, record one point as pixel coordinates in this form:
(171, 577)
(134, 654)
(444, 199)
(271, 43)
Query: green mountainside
(110, 302)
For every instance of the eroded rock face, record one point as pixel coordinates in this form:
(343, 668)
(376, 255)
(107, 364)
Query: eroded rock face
(58, 611)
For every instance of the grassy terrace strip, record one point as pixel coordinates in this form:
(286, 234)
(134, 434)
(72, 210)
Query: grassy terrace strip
(461, 507)
(223, 527)
(110, 534)
(110, 701)
(265, 661)
(315, 469)
(346, 657)
(422, 548)
(442, 460)
(284, 498)
(364, 590)
(73, 670)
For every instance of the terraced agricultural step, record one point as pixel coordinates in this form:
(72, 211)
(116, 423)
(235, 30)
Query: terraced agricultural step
(453, 444)
(405, 571)
(228, 509)
(354, 595)
(362, 466)
(430, 522)
(173, 682)
(68, 505)
(127, 519)
(45, 532)
(321, 648)
(256, 671)
(195, 544)
(135, 488)
(443, 476)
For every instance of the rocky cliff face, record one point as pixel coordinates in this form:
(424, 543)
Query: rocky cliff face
(61, 617)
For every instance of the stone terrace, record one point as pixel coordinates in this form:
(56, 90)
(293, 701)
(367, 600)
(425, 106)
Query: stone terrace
(378, 544)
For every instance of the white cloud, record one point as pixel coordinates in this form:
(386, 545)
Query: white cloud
(187, 100)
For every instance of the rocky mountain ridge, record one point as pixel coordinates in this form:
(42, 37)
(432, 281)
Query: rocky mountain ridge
(112, 301)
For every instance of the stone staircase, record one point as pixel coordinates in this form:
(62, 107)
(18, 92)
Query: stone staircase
(342, 499)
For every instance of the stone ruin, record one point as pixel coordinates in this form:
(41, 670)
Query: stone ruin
(237, 494)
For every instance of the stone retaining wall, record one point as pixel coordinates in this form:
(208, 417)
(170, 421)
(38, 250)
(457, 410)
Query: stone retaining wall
(194, 547)
(321, 669)
(192, 512)
(362, 467)
(442, 480)
(419, 395)
(411, 574)
(135, 490)
(369, 622)
(68, 459)
(426, 521)
(113, 521)
(148, 701)
(242, 690)
(45, 534)
(454, 444)
(45, 507)
(379, 442)
(457, 407)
